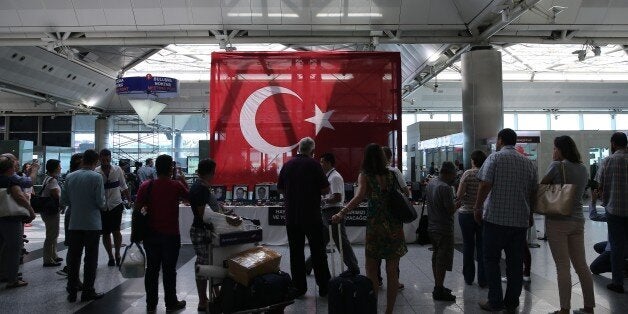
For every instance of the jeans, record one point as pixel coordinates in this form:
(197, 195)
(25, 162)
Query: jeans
(316, 240)
(472, 248)
(618, 236)
(79, 239)
(52, 234)
(162, 252)
(566, 241)
(11, 242)
(511, 240)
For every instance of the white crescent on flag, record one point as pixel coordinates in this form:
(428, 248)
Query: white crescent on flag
(249, 127)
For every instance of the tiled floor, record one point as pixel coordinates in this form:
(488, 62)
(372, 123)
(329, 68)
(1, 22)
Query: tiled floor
(46, 293)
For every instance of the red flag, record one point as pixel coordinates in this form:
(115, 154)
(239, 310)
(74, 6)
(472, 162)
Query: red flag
(263, 103)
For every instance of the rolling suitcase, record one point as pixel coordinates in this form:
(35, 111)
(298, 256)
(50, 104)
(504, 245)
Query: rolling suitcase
(349, 292)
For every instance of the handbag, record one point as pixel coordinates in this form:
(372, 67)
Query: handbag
(400, 205)
(133, 263)
(46, 205)
(422, 235)
(9, 207)
(139, 219)
(555, 199)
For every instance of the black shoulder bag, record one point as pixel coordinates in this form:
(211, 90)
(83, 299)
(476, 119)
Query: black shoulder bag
(400, 205)
(139, 220)
(46, 205)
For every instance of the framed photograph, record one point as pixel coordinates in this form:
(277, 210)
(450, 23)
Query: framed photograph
(220, 192)
(262, 192)
(240, 192)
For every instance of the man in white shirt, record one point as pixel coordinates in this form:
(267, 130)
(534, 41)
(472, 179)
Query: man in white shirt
(115, 188)
(332, 203)
(146, 172)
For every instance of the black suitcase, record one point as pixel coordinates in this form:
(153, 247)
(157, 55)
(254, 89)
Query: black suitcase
(270, 289)
(349, 293)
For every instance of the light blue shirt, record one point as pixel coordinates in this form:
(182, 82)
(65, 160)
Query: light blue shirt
(146, 173)
(84, 191)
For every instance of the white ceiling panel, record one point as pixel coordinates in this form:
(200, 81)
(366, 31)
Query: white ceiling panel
(358, 12)
(152, 16)
(61, 18)
(326, 12)
(299, 7)
(174, 3)
(206, 13)
(146, 4)
(390, 10)
(119, 16)
(269, 12)
(617, 15)
(469, 9)
(58, 4)
(87, 17)
(29, 4)
(115, 28)
(86, 4)
(591, 15)
(414, 12)
(444, 12)
(9, 18)
(116, 4)
(7, 5)
(236, 11)
(178, 15)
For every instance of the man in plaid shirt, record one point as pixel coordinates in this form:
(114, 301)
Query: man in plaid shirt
(506, 195)
(613, 179)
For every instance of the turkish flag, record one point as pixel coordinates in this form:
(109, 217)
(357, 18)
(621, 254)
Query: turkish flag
(263, 103)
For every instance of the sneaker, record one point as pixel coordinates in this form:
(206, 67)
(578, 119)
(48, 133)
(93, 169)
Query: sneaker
(488, 307)
(91, 295)
(176, 307)
(111, 262)
(63, 272)
(440, 294)
(55, 264)
(504, 279)
(615, 287)
(527, 278)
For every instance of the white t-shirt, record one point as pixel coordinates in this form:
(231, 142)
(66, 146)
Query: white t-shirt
(399, 177)
(50, 184)
(336, 185)
(114, 185)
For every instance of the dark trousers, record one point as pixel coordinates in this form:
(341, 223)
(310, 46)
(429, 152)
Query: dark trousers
(617, 236)
(511, 240)
(316, 240)
(11, 244)
(347, 251)
(472, 248)
(602, 263)
(79, 240)
(162, 252)
(527, 259)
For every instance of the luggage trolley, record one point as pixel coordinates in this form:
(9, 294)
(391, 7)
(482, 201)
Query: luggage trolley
(221, 247)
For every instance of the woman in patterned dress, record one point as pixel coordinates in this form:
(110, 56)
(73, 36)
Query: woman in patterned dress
(384, 233)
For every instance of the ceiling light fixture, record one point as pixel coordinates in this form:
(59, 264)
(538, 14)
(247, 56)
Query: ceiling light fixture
(597, 51)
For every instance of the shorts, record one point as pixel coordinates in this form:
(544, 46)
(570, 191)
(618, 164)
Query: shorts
(201, 237)
(111, 219)
(443, 245)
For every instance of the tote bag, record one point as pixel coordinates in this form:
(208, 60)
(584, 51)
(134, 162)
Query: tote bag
(555, 199)
(9, 207)
(400, 206)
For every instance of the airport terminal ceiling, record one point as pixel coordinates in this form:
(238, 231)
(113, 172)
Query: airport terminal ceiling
(561, 50)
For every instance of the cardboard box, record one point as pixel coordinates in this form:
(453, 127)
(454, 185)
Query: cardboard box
(248, 264)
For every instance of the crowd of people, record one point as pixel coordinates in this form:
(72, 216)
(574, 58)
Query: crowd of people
(495, 200)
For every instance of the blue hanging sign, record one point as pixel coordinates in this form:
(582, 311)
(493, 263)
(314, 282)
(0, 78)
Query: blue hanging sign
(145, 86)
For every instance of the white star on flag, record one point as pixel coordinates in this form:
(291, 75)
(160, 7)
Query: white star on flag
(321, 119)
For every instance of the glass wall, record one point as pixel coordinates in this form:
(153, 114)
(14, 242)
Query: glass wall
(597, 121)
(532, 121)
(565, 122)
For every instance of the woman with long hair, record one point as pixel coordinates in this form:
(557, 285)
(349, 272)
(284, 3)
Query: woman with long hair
(384, 233)
(565, 234)
(51, 217)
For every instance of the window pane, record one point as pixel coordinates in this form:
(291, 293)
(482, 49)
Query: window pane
(406, 120)
(456, 117)
(533, 121)
(565, 122)
(509, 121)
(432, 117)
(621, 121)
(597, 121)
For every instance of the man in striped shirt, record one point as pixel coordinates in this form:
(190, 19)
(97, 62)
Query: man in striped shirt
(613, 179)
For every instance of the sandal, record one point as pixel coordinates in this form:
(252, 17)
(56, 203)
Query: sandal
(16, 284)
